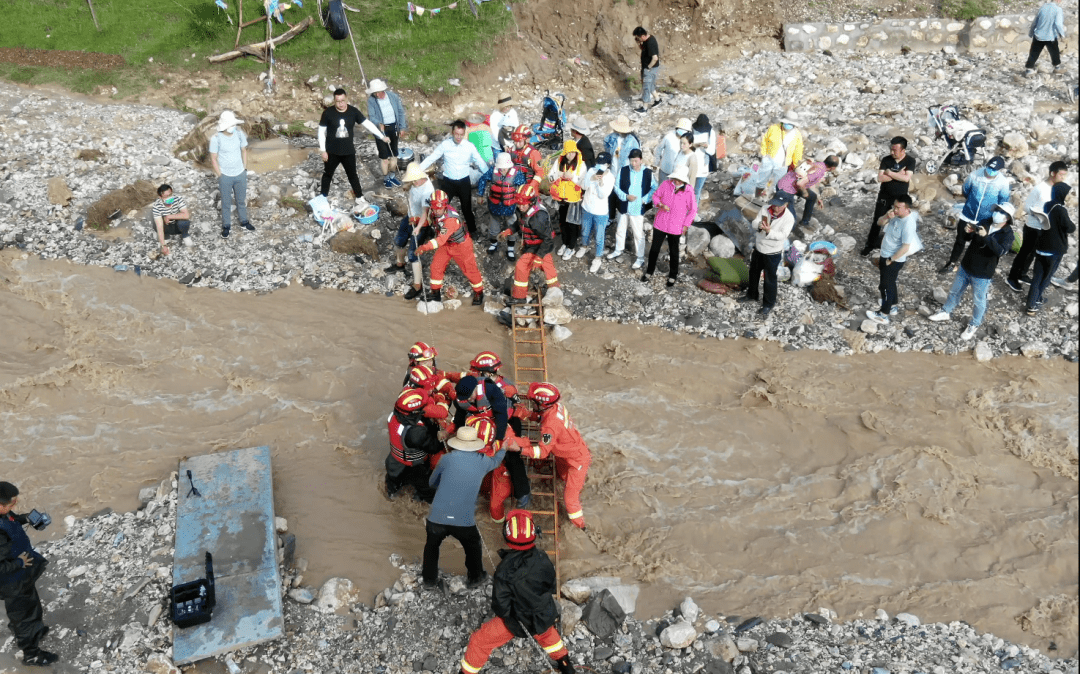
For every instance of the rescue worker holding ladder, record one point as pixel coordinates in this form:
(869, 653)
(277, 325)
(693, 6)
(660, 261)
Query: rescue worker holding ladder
(538, 234)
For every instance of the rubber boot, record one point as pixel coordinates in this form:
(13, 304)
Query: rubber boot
(478, 298)
(435, 296)
(565, 666)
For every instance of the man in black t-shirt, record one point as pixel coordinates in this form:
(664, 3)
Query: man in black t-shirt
(650, 67)
(336, 141)
(894, 174)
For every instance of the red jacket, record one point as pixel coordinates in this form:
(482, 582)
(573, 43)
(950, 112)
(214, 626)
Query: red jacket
(450, 231)
(559, 435)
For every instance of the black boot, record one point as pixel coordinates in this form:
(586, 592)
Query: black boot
(478, 298)
(434, 296)
(565, 666)
(38, 657)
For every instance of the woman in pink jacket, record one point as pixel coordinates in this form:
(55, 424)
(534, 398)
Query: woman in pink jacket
(676, 208)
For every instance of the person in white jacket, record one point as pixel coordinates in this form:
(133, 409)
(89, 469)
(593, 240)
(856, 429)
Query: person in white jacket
(668, 149)
(503, 120)
(598, 183)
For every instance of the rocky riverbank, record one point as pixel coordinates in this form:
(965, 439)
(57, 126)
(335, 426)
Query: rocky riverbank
(62, 158)
(107, 584)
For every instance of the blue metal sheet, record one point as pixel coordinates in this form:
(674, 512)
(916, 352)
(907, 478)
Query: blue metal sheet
(233, 519)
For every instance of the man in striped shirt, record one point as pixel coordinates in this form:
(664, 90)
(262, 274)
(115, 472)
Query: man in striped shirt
(171, 217)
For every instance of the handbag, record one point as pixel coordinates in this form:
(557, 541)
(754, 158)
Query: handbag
(575, 213)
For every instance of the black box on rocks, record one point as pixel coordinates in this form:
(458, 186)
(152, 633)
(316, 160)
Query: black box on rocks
(193, 603)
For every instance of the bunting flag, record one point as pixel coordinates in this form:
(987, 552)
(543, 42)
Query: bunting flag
(473, 5)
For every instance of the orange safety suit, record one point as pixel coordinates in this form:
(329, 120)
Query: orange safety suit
(452, 242)
(538, 237)
(560, 436)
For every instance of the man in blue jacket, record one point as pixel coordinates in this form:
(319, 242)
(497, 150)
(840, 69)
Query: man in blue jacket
(457, 481)
(985, 190)
(20, 567)
(1048, 26)
(385, 111)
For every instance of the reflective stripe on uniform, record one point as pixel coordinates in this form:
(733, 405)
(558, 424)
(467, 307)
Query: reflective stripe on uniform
(575, 516)
(558, 646)
(466, 667)
(522, 284)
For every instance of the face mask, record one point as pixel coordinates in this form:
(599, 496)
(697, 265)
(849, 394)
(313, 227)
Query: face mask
(231, 129)
(999, 218)
(788, 127)
(169, 201)
(990, 173)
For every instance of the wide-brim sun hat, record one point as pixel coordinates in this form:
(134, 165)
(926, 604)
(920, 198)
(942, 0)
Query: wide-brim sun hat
(789, 117)
(503, 161)
(466, 440)
(227, 119)
(1007, 208)
(580, 124)
(376, 86)
(621, 124)
(504, 99)
(684, 125)
(413, 172)
(680, 173)
(475, 118)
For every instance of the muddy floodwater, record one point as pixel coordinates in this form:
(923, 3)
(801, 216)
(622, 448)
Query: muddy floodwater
(761, 482)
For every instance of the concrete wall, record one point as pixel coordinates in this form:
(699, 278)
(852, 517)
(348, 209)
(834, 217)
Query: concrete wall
(1007, 32)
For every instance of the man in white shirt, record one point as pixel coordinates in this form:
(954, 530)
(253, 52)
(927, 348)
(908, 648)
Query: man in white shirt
(503, 120)
(408, 236)
(1033, 225)
(457, 155)
(772, 226)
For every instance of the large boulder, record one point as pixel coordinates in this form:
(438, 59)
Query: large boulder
(697, 240)
(679, 635)
(335, 594)
(736, 228)
(722, 246)
(603, 615)
(1014, 144)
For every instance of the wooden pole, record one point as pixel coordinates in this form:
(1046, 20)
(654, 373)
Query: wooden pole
(239, 22)
(362, 76)
(93, 15)
(259, 49)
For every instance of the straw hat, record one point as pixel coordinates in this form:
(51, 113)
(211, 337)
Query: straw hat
(683, 125)
(413, 172)
(227, 119)
(466, 440)
(579, 124)
(504, 99)
(503, 161)
(376, 86)
(475, 118)
(621, 124)
(680, 173)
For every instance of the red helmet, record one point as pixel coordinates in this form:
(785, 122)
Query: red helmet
(527, 194)
(486, 361)
(520, 133)
(543, 393)
(422, 376)
(421, 352)
(411, 402)
(440, 200)
(485, 428)
(520, 531)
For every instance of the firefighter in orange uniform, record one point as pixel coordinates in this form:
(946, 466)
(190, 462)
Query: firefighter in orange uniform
(451, 242)
(411, 443)
(526, 157)
(539, 240)
(559, 436)
(521, 599)
(423, 354)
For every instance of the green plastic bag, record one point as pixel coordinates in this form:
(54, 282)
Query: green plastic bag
(1018, 239)
(729, 269)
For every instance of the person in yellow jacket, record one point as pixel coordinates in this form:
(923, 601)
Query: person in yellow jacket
(781, 148)
(566, 176)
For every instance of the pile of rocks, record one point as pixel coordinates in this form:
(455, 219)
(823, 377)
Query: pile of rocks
(108, 580)
(851, 105)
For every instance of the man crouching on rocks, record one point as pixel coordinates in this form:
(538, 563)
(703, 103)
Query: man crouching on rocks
(20, 567)
(171, 217)
(521, 599)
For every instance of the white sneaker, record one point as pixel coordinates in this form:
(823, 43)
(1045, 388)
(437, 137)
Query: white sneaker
(878, 317)
(580, 252)
(637, 264)
(940, 316)
(595, 266)
(188, 242)
(614, 254)
(968, 333)
(568, 254)
(362, 203)
(561, 251)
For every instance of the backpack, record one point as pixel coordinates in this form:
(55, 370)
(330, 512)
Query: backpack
(334, 20)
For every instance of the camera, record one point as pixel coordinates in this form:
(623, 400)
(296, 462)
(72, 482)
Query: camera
(38, 520)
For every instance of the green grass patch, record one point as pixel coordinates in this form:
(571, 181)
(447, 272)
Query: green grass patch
(422, 54)
(966, 10)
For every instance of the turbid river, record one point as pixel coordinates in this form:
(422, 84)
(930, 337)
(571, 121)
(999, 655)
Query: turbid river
(758, 481)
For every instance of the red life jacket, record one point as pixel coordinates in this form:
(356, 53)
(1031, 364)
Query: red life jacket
(528, 234)
(406, 455)
(459, 234)
(501, 190)
(522, 161)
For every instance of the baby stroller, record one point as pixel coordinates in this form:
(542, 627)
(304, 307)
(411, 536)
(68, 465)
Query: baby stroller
(963, 137)
(549, 132)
